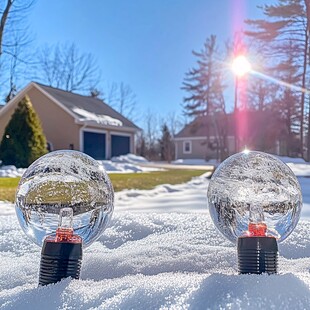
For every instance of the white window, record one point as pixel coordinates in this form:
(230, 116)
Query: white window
(187, 147)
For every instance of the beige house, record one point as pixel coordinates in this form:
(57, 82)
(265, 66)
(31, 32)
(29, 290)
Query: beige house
(72, 121)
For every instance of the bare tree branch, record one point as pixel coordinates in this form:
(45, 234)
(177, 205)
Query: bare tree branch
(64, 67)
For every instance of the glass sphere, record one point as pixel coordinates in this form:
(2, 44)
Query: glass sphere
(59, 180)
(254, 188)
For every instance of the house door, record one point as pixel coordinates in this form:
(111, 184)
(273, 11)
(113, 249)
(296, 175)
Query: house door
(120, 145)
(94, 144)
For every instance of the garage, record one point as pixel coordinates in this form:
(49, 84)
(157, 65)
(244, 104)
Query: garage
(94, 144)
(120, 145)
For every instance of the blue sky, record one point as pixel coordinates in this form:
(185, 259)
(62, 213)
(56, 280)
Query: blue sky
(146, 44)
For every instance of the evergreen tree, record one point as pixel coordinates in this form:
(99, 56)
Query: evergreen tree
(141, 144)
(285, 33)
(166, 144)
(204, 83)
(23, 140)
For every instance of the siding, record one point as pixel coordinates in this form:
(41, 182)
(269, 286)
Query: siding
(199, 149)
(58, 126)
(5, 119)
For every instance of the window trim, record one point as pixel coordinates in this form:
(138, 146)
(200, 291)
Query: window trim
(190, 147)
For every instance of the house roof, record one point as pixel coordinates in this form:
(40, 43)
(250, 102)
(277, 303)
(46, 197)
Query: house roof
(85, 108)
(203, 126)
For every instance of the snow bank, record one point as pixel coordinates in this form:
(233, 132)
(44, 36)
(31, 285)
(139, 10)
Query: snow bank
(292, 160)
(300, 170)
(182, 198)
(122, 164)
(11, 171)
(298, 165)
(129, 158)
(115, 167)
(155, 261)
(198, 162)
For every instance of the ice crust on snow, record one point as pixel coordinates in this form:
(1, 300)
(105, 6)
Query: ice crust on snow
(161, 251)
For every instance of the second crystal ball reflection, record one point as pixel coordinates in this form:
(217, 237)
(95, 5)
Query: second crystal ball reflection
(252, 188)
(59, 180)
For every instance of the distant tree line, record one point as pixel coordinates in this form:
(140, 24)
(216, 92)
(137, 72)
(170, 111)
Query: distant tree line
(279, 85)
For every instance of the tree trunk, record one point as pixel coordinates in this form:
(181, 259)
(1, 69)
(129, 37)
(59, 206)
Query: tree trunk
(304, 72)
(3, 20)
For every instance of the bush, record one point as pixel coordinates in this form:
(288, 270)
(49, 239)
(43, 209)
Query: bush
(23, 140)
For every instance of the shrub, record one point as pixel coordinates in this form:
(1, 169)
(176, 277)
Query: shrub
(23, 140)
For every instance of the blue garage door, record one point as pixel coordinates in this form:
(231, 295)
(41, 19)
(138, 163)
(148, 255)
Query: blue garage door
(120, 145)
(94, 144)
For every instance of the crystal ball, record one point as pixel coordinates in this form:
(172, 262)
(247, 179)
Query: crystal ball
(254, 187)
(63, 179)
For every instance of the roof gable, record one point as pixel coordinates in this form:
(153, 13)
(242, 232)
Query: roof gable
(87, 108)
(203, 126)
(213, 125)
(84, 109)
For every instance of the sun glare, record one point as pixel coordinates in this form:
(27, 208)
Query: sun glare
(246, 151)
(241, 66)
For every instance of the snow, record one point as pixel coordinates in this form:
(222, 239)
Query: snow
(164, 253)
(128, 164)
(122, 164)
(200, 162)
(129, 158)
(292, 160)
(11, 171)
(160, 251)
(87, 116)
(298, 165)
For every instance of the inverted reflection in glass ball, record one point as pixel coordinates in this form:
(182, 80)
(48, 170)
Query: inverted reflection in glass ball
(59, 180)
(253, 188)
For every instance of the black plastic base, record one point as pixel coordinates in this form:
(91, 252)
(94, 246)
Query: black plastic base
(60, 260)
(257, 255)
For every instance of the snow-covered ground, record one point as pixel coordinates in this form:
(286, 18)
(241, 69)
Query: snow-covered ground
(132, 163)
(195, 162)
(11, 171)
(122, 164)
(160, 251)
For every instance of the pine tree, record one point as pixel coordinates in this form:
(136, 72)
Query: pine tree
(23, 140)
(203, 83)
(285, 31)
(166, 144)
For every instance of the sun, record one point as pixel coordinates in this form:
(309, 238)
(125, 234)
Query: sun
(241, 66)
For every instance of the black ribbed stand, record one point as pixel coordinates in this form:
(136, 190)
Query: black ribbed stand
(60, 260)
(257, 255)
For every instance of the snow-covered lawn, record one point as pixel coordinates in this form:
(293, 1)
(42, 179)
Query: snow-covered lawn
(122, 164)
(161, 251)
